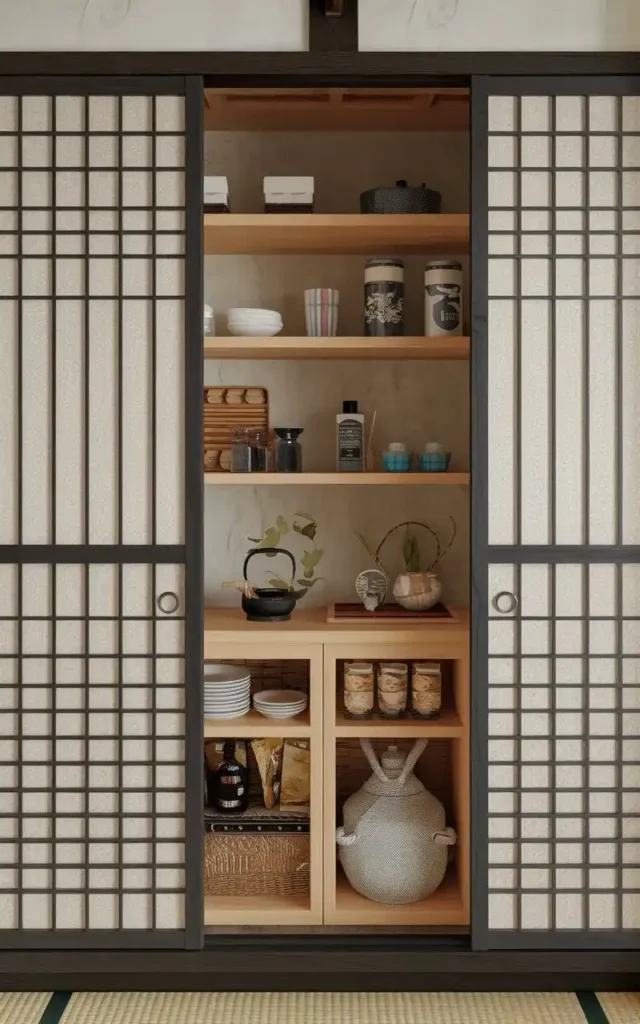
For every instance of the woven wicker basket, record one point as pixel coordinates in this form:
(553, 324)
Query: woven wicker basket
(256, 865)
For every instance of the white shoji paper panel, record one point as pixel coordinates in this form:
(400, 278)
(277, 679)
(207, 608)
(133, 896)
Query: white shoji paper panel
(564, 276)
(100, 234)
(564, 749)
(103, 830)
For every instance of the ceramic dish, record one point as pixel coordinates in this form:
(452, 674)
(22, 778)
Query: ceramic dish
(216, 673)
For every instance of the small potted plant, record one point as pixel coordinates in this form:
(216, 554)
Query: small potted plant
(415, 589)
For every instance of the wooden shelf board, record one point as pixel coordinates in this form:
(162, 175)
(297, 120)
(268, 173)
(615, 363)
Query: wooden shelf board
(444, 907)
(338, 479)
(329, 233)
(447, 726)
(224, 628)
(257, 910)
(337, 348)
(255, 726)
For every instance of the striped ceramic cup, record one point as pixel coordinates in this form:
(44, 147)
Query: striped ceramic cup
(321, 312)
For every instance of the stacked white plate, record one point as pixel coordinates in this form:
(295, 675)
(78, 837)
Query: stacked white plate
(253, 323)
(227, 691)
(280, 703)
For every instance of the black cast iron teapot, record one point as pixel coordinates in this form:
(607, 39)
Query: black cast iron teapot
(270, 604)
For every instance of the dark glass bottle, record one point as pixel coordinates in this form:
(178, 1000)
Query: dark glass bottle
(230, 788)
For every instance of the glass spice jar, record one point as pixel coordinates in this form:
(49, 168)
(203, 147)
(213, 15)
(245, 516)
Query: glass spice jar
(426, 689)
(240, 460)
(392, 688)
(260, 450)
(358, 688)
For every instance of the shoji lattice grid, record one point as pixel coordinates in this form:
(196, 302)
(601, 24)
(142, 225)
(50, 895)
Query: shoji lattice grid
(92, 285)
(92, 751)
(564, 319)
(564, 748)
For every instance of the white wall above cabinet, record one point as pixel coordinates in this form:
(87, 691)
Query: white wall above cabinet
(154, 25)
(592, 25)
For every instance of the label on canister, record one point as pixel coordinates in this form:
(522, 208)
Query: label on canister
(443, 298)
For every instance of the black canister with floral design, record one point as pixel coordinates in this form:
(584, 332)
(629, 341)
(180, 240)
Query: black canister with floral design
(383, 297)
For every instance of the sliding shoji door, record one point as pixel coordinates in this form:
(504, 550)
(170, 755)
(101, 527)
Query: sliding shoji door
(100, 512)
(556, 508)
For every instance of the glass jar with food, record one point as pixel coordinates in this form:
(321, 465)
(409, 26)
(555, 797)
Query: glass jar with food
(392, 688)
(426, 689)
(358, 688)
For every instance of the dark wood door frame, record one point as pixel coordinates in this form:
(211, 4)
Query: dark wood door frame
(320, 69)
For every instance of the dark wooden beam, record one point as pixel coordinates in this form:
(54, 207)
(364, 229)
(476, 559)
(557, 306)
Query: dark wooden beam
(333, 26)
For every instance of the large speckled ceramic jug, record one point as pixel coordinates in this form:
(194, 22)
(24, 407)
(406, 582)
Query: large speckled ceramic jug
(393, 846)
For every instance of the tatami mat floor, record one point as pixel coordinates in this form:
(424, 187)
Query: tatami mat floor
(319, 1008)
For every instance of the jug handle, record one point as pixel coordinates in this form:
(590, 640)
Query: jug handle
(345, 838)
(445, 837)
(371, 757)
(418, 747)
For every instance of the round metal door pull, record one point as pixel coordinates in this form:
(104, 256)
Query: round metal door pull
(168, 602)
(505, 597)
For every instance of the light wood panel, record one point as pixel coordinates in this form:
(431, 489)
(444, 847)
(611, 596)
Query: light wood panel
(227, 634)
(447, 479)
(328, 233)
(258, 910)
(378, 110)
(443, 907)
(253, 725)
(337, 348)
(447, 726)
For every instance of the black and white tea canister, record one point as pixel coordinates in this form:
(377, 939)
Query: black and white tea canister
(383, 297)
(443, 298)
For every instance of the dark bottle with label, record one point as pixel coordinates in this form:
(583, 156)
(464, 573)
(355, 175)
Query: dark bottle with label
(229, 789)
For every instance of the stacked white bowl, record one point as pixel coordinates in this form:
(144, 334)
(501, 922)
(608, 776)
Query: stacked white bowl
(253, 323)
(227, 691)
(280, 703)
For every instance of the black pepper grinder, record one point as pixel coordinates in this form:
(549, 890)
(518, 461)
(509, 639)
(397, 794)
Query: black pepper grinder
(230, 784)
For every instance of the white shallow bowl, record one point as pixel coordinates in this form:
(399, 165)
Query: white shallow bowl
(288, 697)
(280, 707)
(225, 673)
(272, 318)
(244, 312)
(280, 717)
(228, 714)
(222, 690)
(253, 331)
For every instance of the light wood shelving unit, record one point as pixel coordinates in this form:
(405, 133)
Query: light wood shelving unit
(337, 348)
(305, 234)
(308, 636)
(447, 479)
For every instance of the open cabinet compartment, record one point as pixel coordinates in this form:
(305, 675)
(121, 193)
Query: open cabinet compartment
(443, 768)
(268, 259)
(267, 858)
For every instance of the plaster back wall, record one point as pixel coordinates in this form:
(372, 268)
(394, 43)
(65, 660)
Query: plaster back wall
(414, 401)
(283, 25)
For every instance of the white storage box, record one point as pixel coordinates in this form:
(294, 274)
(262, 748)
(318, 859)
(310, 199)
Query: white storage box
(216, 191)
(289, 192)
